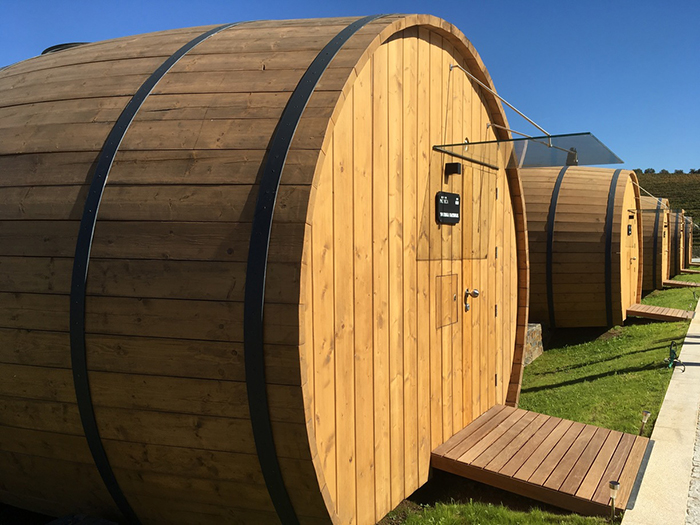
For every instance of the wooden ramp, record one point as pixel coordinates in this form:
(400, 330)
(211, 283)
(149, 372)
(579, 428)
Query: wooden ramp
(680, 284)
(545, 458)
(659, 313)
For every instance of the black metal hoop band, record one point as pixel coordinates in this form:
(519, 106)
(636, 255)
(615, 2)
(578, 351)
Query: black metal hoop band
(655, 280)
(609, 220)
(550, 245)
(256, 272)
(81, 265)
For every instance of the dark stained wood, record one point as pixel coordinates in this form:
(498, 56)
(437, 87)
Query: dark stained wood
(681, 284)
(529, 446)
(560, 462)
(509, 452)
(543, 450)
(546, 468)
(493, 436)
(595, 472)
(496, 448)
(476, 436)
(460, 436)
(614, 469)
(580, 469)
(660, 313)
(570, 458)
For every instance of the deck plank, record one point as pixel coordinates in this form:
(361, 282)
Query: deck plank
(614, 469)
(592, 479)
(575, 477)
(502, 442)
(539, 455)
(569, 460)
(680, 284)
(482, 431)
(528, 448)
(629, 472)
(512, 448)
(560, 462)
(562, 446)
(485, 442)
(467, 431)
(659, 313)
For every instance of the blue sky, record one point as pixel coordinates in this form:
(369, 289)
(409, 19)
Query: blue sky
(627, 71)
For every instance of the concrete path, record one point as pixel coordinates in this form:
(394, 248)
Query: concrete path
(670, 490)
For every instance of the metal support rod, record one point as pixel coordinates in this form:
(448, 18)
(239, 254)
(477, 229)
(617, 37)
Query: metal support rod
(534, 139)
(499, 97)
(509, 130)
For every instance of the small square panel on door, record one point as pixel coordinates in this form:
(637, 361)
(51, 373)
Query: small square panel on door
(447, 297)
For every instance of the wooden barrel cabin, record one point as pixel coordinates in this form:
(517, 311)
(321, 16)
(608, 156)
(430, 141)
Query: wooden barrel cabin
(676, 245)
(585, 241)
(655, 217)
(688, 246)
(228, 293)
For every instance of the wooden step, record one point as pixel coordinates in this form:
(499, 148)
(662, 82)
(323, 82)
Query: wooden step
(680, 284)
(689, 270)
(560, 462)
(659, 313)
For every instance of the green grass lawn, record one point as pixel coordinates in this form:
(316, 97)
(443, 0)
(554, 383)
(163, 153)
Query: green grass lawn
(486, 513)
(597, 377)
(609, 380)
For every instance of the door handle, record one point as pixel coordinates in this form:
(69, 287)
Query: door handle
(467, 294)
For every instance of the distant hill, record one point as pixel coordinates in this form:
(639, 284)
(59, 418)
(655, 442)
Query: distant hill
(682, 190)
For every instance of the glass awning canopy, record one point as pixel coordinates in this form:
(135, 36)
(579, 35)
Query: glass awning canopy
(574, 149)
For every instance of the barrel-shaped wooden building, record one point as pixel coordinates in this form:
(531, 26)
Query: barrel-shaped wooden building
(688, 247)
(585, 241)
(676, 244)
(226, 294)
(655, 217)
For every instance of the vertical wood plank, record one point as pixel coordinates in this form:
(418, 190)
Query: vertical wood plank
(467, 260)
(481, 238)
(324, 337)
(380, 262)
(396, 307)
(500, 277)
(492, 347)
(344, 320)
(423, 256)
(435, 115)
(442, 109)
(456, 186)
(410, 99)
(364, 388)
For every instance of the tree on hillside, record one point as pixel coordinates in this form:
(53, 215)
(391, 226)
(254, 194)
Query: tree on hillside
(650, 171)
(664, 172)
(679, 172)
(638, 171)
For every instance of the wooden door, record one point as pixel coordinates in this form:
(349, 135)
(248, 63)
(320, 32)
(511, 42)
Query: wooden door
(481, 284)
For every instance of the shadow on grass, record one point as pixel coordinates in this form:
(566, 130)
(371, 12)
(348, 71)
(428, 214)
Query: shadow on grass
(444, 487)
(558, 337)
(650, 366)
(599, 361)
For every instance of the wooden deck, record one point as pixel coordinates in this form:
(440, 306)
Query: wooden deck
(545, 458)
(659, 313)
(680, 284)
